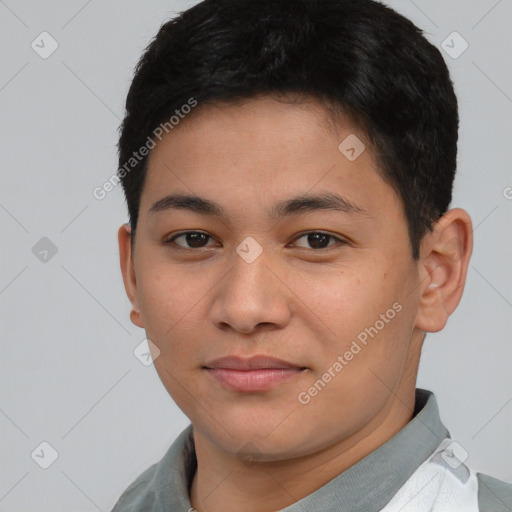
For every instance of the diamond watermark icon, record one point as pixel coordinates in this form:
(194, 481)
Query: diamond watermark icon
(249, 250)
(44, 250)
(44, 45)
(249, 453)
(454, 45)
(44, 455)
(454, 455)
(352, 147)
(146, 352)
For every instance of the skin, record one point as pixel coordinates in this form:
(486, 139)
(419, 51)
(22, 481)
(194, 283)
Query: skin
(264, 451)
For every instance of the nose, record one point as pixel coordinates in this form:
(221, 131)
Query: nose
(252, 297)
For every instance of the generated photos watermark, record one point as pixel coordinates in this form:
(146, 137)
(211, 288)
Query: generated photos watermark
(100, 192)
(357, 345)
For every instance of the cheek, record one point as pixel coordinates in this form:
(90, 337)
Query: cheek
(364, 315)
(170, 303)
(348, 300)
(167, 292)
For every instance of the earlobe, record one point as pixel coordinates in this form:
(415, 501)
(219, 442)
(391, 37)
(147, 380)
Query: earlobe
(128, 272)
(443, 266)
(135, 318)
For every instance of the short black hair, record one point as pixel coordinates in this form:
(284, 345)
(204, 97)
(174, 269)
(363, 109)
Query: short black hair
(359, 58)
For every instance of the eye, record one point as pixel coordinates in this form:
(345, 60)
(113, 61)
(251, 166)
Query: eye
(194, 239)
(318, 240)
(197, 240)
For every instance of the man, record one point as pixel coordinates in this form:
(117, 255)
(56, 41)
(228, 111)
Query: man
(288, 168)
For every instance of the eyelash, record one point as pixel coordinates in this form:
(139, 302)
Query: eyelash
(171, 240)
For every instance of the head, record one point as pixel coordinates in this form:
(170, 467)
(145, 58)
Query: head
(291, 201)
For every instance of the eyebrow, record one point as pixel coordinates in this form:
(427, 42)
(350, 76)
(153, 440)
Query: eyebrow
(297, 205)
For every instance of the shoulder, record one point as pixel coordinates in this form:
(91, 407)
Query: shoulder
(139, 495)
(493, 495)
(164, 485)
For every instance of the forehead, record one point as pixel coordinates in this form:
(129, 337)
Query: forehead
(257, 127)
(262, 150)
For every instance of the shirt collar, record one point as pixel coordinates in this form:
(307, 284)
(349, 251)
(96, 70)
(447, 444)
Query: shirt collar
(365, 487)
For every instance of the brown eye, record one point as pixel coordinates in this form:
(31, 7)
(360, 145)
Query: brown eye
(193, 239)
(318, 240)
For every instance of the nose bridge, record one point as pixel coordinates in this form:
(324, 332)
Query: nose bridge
(249, 269)
(250, 295)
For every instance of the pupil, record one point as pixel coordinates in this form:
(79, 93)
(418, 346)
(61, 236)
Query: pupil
(192, 239)
(314, 238)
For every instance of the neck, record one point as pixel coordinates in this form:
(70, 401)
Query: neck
(223, 483)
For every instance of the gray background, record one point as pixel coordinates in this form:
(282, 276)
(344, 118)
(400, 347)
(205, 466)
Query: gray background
(68, 373)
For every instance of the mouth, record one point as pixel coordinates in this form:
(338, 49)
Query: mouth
(258, 373)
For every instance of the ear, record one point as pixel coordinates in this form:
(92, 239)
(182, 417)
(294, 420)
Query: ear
(124, 236)
(442, 269)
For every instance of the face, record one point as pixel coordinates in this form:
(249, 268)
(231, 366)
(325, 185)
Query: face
(322, 286)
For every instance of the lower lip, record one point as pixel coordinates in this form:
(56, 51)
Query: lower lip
(253, 380)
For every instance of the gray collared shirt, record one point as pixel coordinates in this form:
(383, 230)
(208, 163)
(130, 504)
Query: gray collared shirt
(367, 486)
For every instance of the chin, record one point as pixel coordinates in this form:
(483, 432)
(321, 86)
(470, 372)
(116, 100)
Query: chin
(269, 438)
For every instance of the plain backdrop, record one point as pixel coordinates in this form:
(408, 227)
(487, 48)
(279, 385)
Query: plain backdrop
(69, 376)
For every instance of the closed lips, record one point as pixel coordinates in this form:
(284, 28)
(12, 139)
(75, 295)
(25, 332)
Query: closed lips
(253, 363)
(254, 375)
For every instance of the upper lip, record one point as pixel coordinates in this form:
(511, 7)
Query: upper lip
(251, 363)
